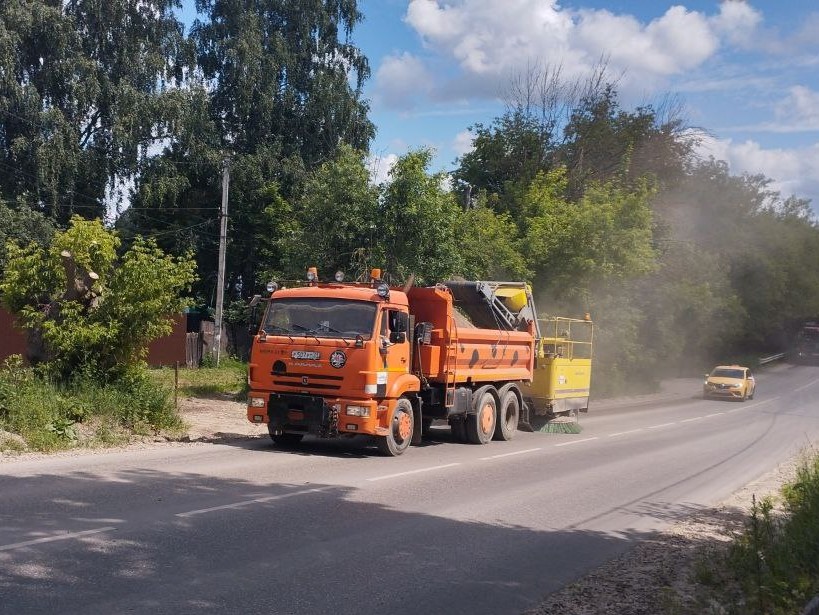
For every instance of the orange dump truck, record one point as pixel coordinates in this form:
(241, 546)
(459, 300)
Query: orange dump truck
(334, 359)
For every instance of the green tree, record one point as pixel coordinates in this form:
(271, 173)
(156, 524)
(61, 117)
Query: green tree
(90, 312)
(607, 234)
(22, 225)
(490, 246)
(415, 228)
(337, 216)
(86, 86)
(281, 90)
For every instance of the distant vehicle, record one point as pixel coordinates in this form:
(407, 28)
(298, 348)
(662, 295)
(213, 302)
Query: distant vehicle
(729, 382)
(807, 343)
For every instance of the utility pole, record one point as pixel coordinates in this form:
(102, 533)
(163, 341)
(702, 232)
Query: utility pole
(220, 274)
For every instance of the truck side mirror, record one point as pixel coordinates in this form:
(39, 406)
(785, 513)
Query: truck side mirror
(398, 337)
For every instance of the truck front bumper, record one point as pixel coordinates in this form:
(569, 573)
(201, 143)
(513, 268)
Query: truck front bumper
(326, 418)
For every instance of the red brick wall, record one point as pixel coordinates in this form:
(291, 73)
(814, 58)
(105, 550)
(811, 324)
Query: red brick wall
(163, 351)
(12, 340)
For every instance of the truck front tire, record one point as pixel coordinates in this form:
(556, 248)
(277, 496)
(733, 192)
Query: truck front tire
(401, 429)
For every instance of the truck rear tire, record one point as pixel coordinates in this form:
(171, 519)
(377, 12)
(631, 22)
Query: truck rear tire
(508, 413)
(401, 430)
(480, 425)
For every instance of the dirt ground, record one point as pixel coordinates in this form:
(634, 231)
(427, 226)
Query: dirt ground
(213, 419)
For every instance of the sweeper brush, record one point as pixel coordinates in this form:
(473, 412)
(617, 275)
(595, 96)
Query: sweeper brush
(550, 423)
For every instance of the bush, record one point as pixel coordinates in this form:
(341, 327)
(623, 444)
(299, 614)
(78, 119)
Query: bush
(777, 557)
(93, 311)
(51, 416)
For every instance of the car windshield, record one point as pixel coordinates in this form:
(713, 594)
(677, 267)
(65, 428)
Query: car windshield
(722, 372)
(317, 317)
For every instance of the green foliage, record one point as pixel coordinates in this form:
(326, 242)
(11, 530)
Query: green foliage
(22, 225)
(606, 234)
(416, 222)
(336, 219)
(490, 246)
(776, 558)
(94, 326)
(85, 88)
(227, 380)
(49, 416)
(282, 92)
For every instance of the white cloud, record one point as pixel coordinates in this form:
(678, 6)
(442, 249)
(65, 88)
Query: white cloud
(737, 21)
(677, 41)
(401, 79)
(800, 109)
(793, 171)
(462, 143)
(490, 42)
(380, 167)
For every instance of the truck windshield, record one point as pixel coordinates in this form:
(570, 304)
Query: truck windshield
(317, 317)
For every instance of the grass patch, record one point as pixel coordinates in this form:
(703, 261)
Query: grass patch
(39, 414)
(776, 558)
(227, 380)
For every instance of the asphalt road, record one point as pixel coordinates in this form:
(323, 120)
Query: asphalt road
(334, 528)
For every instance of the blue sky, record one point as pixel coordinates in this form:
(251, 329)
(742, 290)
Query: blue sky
(746, 71)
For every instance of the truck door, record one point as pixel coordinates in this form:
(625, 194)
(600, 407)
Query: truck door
(393, 341)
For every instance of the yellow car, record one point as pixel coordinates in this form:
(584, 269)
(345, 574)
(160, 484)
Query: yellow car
(729, 382)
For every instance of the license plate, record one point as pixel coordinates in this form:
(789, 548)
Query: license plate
(309, 355)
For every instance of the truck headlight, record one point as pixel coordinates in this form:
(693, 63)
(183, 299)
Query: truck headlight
(257, 402)
(363, 411)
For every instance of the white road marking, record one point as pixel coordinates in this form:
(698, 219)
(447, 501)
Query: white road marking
(577, 441)
(385, 477)
(708, 416)
(692, 419)
(623, 433)
(528, 450)
(805, 386)
(662, 425)
(271, 498)
(67, 536)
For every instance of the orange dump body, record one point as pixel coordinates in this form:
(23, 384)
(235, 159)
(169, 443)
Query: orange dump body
(464, 352)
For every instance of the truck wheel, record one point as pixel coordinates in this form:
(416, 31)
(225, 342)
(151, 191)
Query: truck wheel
(401, 428)
(508, 413)
(286, 440)
(480, 426)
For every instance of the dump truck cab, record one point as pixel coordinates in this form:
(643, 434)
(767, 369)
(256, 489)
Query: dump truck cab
(333, 359)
